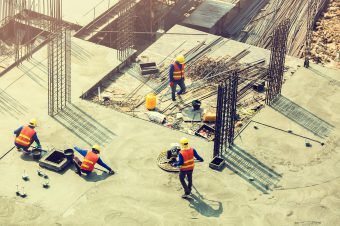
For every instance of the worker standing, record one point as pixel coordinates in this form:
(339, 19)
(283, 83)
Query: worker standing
(186, 163)
(25, 136)
(176, 75)
(90, 160)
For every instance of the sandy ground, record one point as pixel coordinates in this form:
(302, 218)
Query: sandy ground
(303, 183)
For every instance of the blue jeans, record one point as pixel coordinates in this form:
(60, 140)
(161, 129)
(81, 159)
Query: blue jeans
(182, 175)
(173, 88)
(22, 147)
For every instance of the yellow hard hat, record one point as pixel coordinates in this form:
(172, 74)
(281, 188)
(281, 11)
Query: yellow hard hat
(33, 122)
(96, 147)
(180, 59)
(184, 142)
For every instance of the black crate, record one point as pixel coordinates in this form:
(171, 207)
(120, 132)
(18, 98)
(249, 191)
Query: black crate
(217, 163)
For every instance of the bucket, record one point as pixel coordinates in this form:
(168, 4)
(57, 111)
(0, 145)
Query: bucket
(196, 104)
(150, 101)
(69, 154)
(36, 154)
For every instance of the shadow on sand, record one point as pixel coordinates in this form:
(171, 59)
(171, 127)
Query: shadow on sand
(84, 126)
(302, 116)
(251, 169)
(205, 207)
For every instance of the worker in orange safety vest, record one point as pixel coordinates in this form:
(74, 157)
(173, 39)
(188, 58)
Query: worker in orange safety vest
(90, 160)
(176, 76)
(186, 163)
(26, 135)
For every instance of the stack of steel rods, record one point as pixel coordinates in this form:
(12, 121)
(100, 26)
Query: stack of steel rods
(259, 32)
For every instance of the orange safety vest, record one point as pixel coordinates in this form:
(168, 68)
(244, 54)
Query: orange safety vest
(188, 158)
(178, 72)
(89, 161)
(25, 136)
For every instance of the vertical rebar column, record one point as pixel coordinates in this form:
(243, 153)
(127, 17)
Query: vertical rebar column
(59, 61)
(310, 23)
(126, 25)
(277, 61)
(226, 114)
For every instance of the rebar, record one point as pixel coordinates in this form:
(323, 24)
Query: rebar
(226, 114)
(277, 61)
(125, 24)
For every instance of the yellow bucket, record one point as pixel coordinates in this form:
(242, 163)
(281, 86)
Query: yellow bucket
(150, 101)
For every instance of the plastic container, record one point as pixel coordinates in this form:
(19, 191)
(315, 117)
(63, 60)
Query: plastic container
(196, 104)
(150, 101)
(36, 154)
(209, 117)
(69, 153)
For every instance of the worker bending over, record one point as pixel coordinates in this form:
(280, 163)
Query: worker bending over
(90, 160)
(176, 75)
(25, 136)
(186, 163)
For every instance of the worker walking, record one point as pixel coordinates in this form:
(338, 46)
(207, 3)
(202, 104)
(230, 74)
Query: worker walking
(176, 75)
(25, 136)
(90, 160)
(186, 163)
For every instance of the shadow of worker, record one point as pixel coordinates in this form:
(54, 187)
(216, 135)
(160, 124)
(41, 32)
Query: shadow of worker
(205, 207)
(94, 176)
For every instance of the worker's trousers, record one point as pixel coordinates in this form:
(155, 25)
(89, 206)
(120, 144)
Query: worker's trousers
(182, 175)
(173, 88)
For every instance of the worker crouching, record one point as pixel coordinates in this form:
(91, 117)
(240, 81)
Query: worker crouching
(90, 159)
(186, 162)
(25, 136)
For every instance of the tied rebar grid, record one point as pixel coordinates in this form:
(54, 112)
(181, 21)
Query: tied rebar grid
(17, 14)
(126, 25)
(277, 61)
(309, 35)
(226, 114)
(9, 13)
(59, 62)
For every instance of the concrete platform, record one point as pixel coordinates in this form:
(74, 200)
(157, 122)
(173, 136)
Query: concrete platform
(86, 11)
(303, 190)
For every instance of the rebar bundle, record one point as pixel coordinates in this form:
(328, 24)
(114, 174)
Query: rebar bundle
(277, 61)
(226, 114)
(310, 23)
(259, 31)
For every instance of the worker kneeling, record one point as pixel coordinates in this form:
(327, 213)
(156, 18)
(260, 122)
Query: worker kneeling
(186, 163)
(90, 160)
(25, 136)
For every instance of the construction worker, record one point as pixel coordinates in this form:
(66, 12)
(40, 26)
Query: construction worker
(186, 163)
(177, 76)
(90, 160)
(25, 136)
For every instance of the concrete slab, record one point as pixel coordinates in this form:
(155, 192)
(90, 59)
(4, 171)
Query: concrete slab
(86, 11)
(306, 179)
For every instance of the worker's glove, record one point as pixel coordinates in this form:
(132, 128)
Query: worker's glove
(171, 84)
(111, 172)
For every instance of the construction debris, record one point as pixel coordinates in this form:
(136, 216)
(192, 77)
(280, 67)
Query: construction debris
(325, 43)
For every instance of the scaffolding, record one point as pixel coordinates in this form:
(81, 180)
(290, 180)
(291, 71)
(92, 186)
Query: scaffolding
(125, 26)
(277, 61)
(226, 114)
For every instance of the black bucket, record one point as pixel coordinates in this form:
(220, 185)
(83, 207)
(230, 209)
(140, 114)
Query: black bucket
(196, 104)
(69, 153)
(36, 154)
